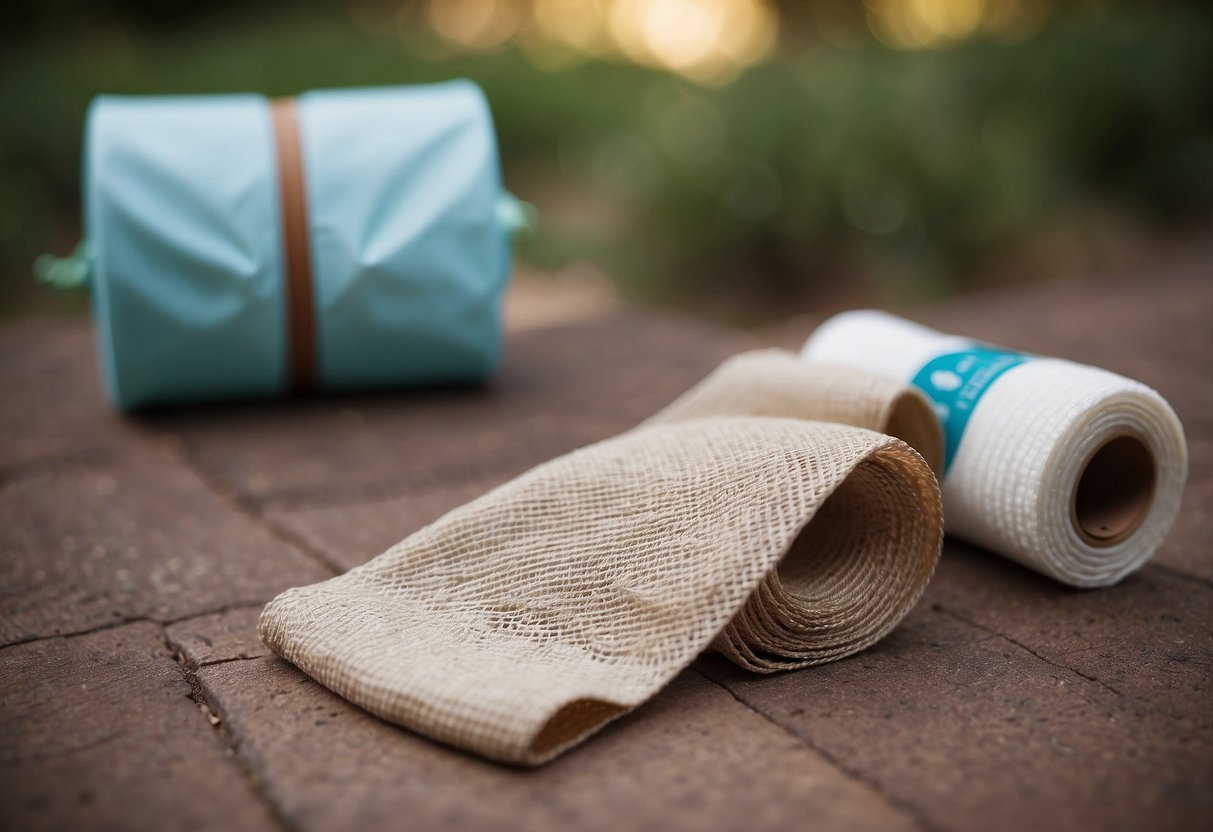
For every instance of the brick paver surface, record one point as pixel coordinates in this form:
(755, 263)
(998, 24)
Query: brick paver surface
(135, 555)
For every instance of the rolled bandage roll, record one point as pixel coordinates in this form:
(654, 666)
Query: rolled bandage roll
(519, 624)
(784, 624)
(1070, 470)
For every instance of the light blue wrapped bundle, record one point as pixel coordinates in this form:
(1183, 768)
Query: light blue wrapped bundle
(344, 239)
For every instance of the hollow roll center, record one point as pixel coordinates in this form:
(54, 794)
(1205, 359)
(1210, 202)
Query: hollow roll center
(848, 535)
(854, 570)
(1114, 490)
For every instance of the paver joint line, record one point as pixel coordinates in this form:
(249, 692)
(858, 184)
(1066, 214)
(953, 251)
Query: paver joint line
(920, 820)
(214, 662)
(137, 619)
(223, 734)
(248, 509)
(109, 625)
(1017, 643)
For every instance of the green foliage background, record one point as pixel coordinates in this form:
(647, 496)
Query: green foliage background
(912, 168)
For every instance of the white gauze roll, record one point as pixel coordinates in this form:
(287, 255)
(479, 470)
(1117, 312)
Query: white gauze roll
(1070, 470)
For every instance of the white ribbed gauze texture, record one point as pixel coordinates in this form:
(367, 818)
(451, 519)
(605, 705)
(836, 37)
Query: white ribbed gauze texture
(1051, 450)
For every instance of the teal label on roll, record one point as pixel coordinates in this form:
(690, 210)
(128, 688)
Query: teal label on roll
(955, 383)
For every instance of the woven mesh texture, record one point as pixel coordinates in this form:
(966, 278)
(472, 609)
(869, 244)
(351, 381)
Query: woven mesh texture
(519, 624)
(777, 383)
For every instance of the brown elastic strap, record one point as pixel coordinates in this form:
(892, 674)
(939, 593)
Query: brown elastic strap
(300, 313)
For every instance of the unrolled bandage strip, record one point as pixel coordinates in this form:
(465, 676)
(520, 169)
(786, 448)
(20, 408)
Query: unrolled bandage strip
(1070, 470)
(521, 623)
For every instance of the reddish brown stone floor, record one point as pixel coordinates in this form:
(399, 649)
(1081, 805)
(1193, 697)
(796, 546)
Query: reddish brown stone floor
(135, 555)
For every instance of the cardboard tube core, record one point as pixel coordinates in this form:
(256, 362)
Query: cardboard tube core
(1114, 490)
